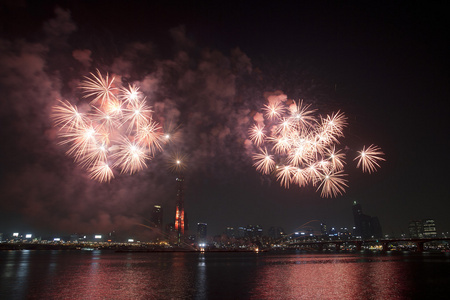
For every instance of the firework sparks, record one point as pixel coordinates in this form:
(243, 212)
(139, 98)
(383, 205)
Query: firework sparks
(305, 145)
(101, 172)
(177, 162)
(336, 159)
(284, 175)
(98, 87)
(368, 158)
(274, 110)
(256, 134)
(118, 131)
(264, 162)
(137, 114)
(130, 157)
(65, 114)
(333, 184)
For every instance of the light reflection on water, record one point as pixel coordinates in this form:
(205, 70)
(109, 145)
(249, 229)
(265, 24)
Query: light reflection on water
(334, 277)
(110, 275)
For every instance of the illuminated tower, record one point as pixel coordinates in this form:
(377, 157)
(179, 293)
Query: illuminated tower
(179, 213)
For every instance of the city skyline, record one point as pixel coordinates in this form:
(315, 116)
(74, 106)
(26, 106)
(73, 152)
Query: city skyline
(359, 227)
(206, 72)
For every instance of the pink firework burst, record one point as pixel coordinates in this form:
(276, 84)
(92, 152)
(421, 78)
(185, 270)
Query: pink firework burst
(305, 146)
(117, 133)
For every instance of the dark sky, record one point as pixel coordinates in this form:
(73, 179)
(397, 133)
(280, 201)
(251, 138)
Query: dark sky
(207, 69)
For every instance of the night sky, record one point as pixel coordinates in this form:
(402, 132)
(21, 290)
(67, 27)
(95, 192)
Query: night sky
(207, 69)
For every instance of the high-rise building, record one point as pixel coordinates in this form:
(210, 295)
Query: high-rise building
(415, 229)
(252, 231)
(422, 229)
(179, 212)
(332, 232)
(156, 217)
(241, 231)
(74, 237)
(112, 236)
(376, 227)
(429, 228)
(201, 232)
(323, 229)
(276, 233)
(230, 232)
(365, 226)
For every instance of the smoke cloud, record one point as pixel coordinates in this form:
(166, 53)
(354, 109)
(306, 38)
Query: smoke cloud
(198, 94)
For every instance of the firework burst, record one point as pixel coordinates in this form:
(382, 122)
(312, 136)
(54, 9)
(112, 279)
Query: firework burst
(300, 148)
(177, 162)
(368, 158)
(118, 132)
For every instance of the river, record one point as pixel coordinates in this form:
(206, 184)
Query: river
(65, 274)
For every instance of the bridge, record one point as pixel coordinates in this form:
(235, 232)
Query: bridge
(359, 243)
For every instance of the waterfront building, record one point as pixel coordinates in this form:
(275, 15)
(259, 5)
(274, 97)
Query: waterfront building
(376, 227)
(366, 226)
(429, 228)
(230, 232)
(323, 229)
(332, 232)
(73, 237)
(241, 232)
(201, 232)
(276, 232)
(258, 231)
(415, 229)
(422, 229)
(252, 231)
(98, 238)
(156, 217)
(112, 237)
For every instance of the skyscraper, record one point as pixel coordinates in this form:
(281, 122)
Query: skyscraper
(365, 226)
(201, 232)
(422, 229)
(230, 232)
(156, 217)
(179, 211)
(253, 231)
(429, 228)
(323, 229)
(276, 232)
(415, 229)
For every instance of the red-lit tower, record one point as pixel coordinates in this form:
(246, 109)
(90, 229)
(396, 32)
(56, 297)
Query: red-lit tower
(179, 213)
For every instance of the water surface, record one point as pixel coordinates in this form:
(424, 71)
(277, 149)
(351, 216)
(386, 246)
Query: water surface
(98, 274)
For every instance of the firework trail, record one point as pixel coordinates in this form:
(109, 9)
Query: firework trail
(300, 148)
(118, 132)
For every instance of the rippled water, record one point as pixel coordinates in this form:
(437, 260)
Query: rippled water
(109, 275)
